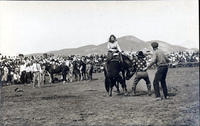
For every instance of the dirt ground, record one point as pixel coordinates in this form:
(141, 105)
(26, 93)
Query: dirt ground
(86, 103)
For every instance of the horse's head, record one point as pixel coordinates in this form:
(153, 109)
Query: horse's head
(47, 66)
(127, 61)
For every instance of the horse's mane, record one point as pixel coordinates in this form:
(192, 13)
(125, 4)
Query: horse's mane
(126, 57)
(127, 60)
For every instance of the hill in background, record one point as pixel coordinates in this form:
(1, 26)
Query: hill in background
(127, 43)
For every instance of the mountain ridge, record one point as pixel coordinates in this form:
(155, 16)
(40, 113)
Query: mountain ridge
(127, 43)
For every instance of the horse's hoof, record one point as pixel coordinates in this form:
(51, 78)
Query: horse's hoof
(133, 94)
(118, 91)
(125, 94)
(109, 95)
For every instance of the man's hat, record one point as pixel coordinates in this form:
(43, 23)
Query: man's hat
(154, 44)
(140, 54)
(52, 60)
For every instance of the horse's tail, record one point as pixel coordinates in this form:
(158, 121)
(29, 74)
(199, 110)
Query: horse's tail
(107, 82)
(105, 70)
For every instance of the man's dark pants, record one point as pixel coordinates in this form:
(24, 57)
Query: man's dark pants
(23, 77)
(160, 76)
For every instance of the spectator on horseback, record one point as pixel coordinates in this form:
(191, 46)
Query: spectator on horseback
(140, 63)
(113, 47)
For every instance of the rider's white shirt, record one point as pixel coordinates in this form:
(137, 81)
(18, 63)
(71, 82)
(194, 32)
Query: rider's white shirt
(114, 46)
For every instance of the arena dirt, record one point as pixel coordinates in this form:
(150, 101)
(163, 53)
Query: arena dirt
(86, 103)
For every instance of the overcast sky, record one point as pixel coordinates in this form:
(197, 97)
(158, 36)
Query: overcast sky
(32, 27)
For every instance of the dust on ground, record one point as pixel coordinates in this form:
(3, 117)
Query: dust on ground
(86, 103)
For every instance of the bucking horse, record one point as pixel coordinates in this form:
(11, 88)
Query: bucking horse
(116, 72)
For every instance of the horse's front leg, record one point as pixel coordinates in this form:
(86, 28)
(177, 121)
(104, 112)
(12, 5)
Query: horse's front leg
(50, 79)
(111, 85)
(117, 86)
(110, 91)
(81, 76)
(42, 78)
(71, 77)
(64, 77)
(74, 77)
(124, 83)
(84, 75)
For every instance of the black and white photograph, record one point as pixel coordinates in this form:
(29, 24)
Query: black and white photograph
(99, 63)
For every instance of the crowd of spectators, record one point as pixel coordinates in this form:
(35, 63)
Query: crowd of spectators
(11, 68)
(184, 56)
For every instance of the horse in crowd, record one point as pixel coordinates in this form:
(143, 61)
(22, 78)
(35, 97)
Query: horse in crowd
(82, 67)
(56, 69)
(76, 70)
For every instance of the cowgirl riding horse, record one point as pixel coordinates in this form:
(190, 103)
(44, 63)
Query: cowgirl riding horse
(116, 64)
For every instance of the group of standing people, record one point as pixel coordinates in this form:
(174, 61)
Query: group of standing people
(140, 64)
(26, 73)
(33, 70)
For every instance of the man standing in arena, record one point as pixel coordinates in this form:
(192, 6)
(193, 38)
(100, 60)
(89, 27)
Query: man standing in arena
(23, 72)
(140, 64)
(5, 74)
(161, 61)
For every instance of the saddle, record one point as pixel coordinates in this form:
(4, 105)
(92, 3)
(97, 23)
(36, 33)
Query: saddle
(116, 57)
(116, 54)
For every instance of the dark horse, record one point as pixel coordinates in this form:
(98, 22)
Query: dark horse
(76, 70)
(83, 70)
(51, 69)
(112, 72)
